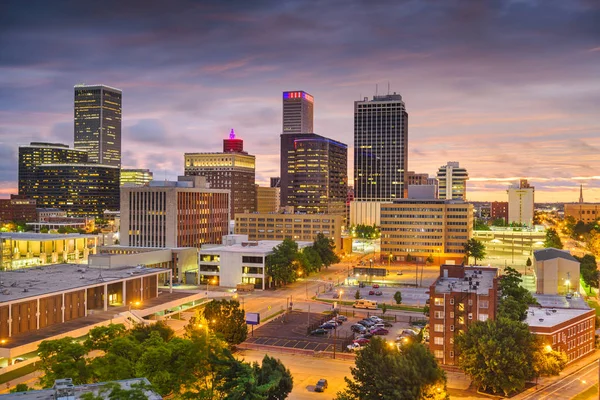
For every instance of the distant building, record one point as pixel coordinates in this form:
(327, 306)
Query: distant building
(521, 200)
(98, 123)
(233, 169)
(298, 109)
(303, 227)
(423, 228)
(136, 177)
(459, 297)
(584, 212)
(17, 208)
(184, 213)
(314, 174)
(32, 156)
(238, 261)
(422, 192)
(43, 214)
(556, 272)
(267, 199)
(499, 210)
(452, 181)
(275, 182)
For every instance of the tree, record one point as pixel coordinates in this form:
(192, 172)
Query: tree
(499, 222)
(310, 260)
(114, 391)
(365, 231)
(589, 270)
(275, 376)
(528, 263)
(480, 225)
(325, 247)
(398, 297)
(357, 294)
(141, 332)
(383, 308)
(552, 239)
(548, 362)
(100, 337)
(384, 372)
(514, 299)
(497, 355)
(21, 387)
(63, 358)
(280, 262)
(430, 259)
(227, 319)
(474, 248)
(408, 258)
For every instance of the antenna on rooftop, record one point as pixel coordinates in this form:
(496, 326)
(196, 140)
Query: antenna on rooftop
(388, 88)
(376, 89)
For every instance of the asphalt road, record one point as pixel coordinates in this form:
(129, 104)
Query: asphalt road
(569, 386)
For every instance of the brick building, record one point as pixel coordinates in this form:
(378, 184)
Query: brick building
(17, 208)
(499, 209)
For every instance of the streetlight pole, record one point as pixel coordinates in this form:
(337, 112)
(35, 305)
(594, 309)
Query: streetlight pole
(371, 269)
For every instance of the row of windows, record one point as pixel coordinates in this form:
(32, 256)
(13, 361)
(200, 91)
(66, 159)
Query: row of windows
(325, 220)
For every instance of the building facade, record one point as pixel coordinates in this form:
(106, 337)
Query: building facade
(585, 212)
(275, 181)
(452, 181)
(499, 210)
(32, 156)
(298, 109)
(459, 297)
(231, 170)
(556, 272)
(267, 199)
(185, 213)
(521, 201)
(314, 174)
(82, 190)
(380, 148)
(136, 177)
(18, 208)
(303, 227)
(423, 228)
(98, 123)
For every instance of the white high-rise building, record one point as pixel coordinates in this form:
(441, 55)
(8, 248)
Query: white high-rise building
(298, 108)
(452, 181)
(521, 198)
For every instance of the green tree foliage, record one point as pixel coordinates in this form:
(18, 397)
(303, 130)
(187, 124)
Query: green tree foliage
(503, 355)
(528, 263)
(499, 222)
(552, 239)
(430, 259)
(384, 372)
(227, 319)
(309, 260)
(325, 248)
(273, 375)
(474, 248)
(357, 294)
(589, 270)
(100, 338)
(383, 308)
(143, 332)
(398, 297)
(63, 358)
(365, 231)
(514, 299)
(21, 387)
(114, 391)
(280, 263)
(480, 225)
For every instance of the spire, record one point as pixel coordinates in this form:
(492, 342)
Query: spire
(581, 193)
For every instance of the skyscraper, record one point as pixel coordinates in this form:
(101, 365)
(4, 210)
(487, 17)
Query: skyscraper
(297, 112)
(314, 173)
(380, 148)
(98, 123)
(233, 169)
(521, 202)
(452, 181)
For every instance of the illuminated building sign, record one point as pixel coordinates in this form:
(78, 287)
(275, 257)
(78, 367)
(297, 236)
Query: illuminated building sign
(297, 95)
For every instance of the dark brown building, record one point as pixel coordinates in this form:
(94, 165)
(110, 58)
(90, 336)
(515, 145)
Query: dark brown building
(17, 208)
(499, 209)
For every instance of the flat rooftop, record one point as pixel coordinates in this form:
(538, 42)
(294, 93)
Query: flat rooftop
(43, 237)
(548, 317)
(259, 247)
(29, 282)
(549, 300)
(478, 281)
(80, 390)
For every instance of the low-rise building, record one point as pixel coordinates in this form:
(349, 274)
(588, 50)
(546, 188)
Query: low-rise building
(43, 214)
(556, 272)
(303, 227)
(459, 297)
(25, 249)
(423, 228)
(238, 261)
(17, 208)
(585, 212)
(499, 210)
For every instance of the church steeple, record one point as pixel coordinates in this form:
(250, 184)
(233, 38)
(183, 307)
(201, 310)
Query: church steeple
(581, 193)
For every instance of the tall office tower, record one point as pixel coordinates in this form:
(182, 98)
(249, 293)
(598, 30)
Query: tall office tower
(275, 181)
(380, 155)
(136, 177)
(314, 173)
(297, 112)
(98, 123)
(521, 203)
(37, 153)
(82, 190)
(185, 213)
(234, 170)
(452, 181)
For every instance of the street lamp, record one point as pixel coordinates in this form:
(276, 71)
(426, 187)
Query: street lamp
(370, 269)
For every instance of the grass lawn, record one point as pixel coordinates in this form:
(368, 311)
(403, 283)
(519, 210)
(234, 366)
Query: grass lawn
(7, 377)
(595, 306)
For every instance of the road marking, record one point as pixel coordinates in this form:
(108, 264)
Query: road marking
(593, 365)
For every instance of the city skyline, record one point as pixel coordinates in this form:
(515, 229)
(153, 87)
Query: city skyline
(509, 89)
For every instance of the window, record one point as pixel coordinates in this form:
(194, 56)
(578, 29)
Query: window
(438, 354)
(470, 315)
(438, 328)
(438, 301)
(439, 315)
(451, 354)
(451, 328)
(482, 317)
(452, 301)
(484, 304)
(438, 340)
(470, 302)
(451, 314)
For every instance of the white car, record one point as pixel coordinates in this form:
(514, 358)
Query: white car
(354, 347)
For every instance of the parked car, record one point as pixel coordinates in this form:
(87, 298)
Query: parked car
(366, 323)
(361, 341)
(365, 335)
(327, 326)
(341, 318)
(354, 347)
(379, 331)
(375, 286)
(371, 292)
(357, 328)
(375, 319)
(319, 332)
(336, 295)
(378, 293)
(321, 385)
(387, 324)
(409, 332)
(334, 322)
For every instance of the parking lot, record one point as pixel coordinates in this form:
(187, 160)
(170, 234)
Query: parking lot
(410, 296)
(290, 331)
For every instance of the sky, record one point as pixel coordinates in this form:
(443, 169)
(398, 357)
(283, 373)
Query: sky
(510, 89)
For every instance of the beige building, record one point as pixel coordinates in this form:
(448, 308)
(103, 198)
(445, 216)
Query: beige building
(585, 212)
(366, 212)
(422, 228)
(267, 199)
(299, 227)
(521, 201)
(556, 272)
(136, 177)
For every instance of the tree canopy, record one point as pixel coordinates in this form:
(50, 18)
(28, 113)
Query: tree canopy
(589, 270)
(552, 239)
(365, 231)
(474, 248)
(384, 372)
(514, 299)
(226, 318)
